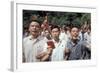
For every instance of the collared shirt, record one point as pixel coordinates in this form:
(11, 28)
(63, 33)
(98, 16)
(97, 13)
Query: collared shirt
(32, 47)
(58, 51)
(77, 51)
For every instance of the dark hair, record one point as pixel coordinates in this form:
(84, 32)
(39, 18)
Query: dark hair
(55, 26)
(30, 21)
(34, 21)
(74, 27)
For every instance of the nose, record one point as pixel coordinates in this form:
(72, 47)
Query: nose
(34, 27)
(76, 33)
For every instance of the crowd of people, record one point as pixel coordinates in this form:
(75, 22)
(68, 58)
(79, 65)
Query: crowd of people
(50, 42)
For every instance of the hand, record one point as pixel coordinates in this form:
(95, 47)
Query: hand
(39, 56)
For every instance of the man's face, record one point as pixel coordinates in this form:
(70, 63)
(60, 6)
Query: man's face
(74, 33)
(34, 28)
(55, 33)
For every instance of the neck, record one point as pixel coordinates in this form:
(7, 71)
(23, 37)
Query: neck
(74, 40)
(34, 37)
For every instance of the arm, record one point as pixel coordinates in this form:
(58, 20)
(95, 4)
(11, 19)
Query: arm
(87, 45)
(66, 51)
(47, 55)
(39, 56)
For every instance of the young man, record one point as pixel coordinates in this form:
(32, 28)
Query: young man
(32, 45)
(76, 47)
(55, 47)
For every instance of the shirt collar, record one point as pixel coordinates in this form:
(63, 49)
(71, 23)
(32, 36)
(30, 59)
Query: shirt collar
(38, 38)
(73, 42)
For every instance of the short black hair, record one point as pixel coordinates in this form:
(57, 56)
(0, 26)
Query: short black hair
(74, 26)
(30, 21)
(55, 26)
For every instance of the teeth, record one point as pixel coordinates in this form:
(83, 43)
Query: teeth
(34, 31)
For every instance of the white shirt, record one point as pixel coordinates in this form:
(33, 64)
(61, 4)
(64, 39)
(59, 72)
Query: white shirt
(58, 51)
(32, 47)
(87, 37)
(64, 37)
(87, 40)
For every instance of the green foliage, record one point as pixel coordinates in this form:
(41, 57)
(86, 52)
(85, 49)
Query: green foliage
(59, 18)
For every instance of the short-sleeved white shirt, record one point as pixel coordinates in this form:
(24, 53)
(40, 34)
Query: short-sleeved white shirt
(58, 51)
(32, 47)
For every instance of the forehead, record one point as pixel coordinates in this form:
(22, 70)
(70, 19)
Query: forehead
(34, 23)
(74, 29)
(55, 29)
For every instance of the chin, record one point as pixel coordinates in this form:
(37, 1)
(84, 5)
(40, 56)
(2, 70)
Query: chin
(74, 38)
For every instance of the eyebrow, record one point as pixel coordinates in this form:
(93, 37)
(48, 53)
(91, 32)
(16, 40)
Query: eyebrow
(55, 31)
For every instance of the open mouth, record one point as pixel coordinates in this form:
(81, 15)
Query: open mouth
(34, 31)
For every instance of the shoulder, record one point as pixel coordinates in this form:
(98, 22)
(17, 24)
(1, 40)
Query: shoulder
(42, 38)
(26, 38)
(69, 41)
(80, 42)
